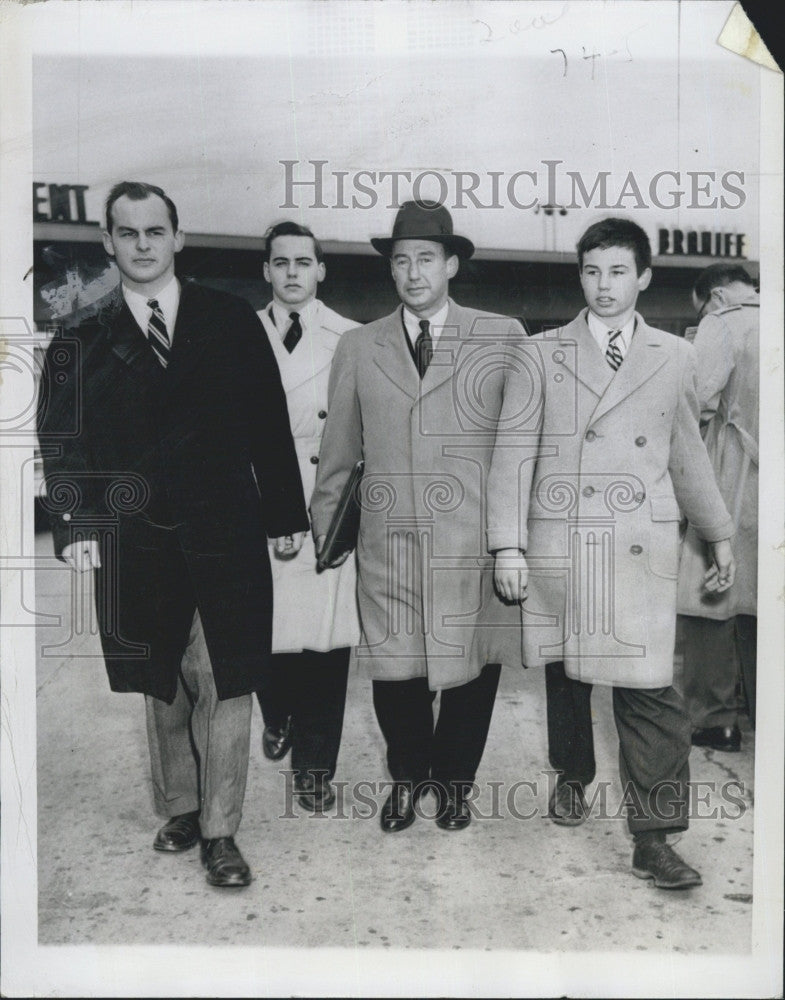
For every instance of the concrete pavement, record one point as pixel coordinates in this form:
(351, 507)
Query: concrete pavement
(506, 882)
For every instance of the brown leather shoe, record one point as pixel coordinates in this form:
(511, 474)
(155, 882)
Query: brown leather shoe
(178, 833)
(568, 804)
(276, 742)
(652, 859)
(225, 865)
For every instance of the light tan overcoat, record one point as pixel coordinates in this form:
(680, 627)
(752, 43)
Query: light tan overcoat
(591, 491)
(423, 568)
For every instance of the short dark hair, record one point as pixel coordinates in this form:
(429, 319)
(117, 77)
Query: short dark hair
(138, 191)
(288, 228)
(717, 275)
(616, 233)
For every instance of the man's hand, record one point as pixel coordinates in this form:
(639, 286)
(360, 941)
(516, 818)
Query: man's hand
(721, 574)
(339, 561)
(511, 574)
(287, 546)
(82, 556)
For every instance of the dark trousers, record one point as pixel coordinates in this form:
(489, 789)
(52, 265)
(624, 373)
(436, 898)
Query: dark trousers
(654, 746)
(310, 688)
(450, 752)
(715, 652)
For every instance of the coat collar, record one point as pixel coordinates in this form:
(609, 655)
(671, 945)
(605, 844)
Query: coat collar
(395, 360)
(643, 359)
(313, 354)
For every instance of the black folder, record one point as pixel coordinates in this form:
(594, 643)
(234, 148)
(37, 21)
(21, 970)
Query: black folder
(341, 536)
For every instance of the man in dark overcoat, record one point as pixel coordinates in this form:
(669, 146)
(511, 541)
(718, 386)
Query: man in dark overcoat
(169, 461)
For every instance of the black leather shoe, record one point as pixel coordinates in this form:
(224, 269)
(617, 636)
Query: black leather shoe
(718, 738)
(313, 794)
(568, 804)
(276, 742)
(652, 859)
(453, 809)
(179, 833)
(398, 810)
(225, 865)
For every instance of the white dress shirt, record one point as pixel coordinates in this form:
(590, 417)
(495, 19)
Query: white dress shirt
(280, 316)
(412, 324)
(168, 299)
(602, 333)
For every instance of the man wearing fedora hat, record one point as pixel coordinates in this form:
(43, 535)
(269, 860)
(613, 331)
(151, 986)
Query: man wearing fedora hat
(416, 396)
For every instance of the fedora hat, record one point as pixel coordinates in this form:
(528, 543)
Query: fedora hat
(424, 220)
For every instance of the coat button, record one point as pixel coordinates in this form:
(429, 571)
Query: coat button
(66, 517)
(588, 491)
(314, 460)
(636, 549)
(640, 441)
(640, 497)
(590, 435)
(322, 414)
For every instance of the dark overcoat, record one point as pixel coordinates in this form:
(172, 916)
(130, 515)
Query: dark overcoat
(182, 473)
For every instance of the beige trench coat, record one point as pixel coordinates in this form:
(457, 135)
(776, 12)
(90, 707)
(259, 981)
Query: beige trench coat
(727, 350)
(424, 571)
(591, 491)
(310, 610)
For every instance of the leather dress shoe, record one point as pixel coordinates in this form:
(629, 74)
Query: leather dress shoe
(568, 804)
(277, 741)
(178, 833)
(718, 738)
(398, 810)
(656, 860)
(225, 865)
(454, 811)
(313, 794)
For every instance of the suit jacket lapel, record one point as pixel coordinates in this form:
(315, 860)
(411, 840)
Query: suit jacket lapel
(393, 358)
(312, 355)
(445, 355)
(644, 357)
(192, 332)
(586, 363)
(127, 341)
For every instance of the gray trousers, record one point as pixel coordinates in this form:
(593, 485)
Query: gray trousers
(199, 746)
(715, 652)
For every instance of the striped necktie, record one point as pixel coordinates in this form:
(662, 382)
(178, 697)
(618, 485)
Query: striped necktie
(423, 348)
(156, 332)
(613, 354)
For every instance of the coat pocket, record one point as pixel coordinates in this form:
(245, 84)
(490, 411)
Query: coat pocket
(664, 536)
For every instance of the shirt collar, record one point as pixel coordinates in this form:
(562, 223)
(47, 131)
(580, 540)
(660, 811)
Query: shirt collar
(437, 321)
(600, 331)
(280, 315)
(168, 299)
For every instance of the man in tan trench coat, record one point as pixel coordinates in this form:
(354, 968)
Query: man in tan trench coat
(416, 395)
(583, 517)
(717, 626)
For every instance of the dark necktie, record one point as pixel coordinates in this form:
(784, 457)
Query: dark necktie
(157, 334)
(423, 348)
(293, 334)
(613, 354)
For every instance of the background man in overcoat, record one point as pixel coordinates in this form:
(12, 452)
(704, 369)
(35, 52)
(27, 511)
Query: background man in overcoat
(718, 628)
(315, 621)
(169, 460)
(584, 520)
(416, 395)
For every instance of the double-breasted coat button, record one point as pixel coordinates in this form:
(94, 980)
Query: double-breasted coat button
(588, 491)
(322, 414)
(66, 517)
(314, 460)
(640, 497)
(640, 441)
(590, 435)
(636, 549)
